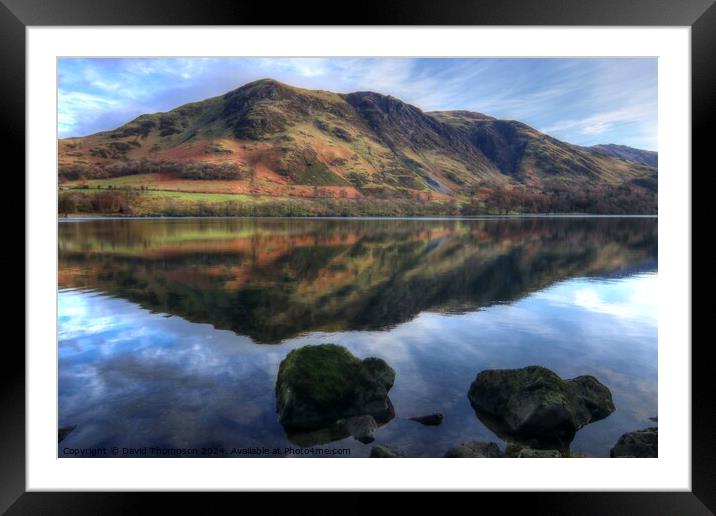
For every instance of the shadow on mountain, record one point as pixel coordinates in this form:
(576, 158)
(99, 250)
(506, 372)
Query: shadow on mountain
(275, 279)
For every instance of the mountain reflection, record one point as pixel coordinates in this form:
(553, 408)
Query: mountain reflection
(273, 279)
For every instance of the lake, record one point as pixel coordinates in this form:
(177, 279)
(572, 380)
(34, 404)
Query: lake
(171, 331)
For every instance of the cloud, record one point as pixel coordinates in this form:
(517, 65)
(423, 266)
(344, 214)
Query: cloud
(75, 107)
(602, 122)
(630, 299)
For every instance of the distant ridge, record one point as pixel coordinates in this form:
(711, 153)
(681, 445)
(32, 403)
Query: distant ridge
(645, 157)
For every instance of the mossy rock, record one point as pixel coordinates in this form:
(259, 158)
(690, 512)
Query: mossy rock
(536, 407)
(325, 373)
(319, 385)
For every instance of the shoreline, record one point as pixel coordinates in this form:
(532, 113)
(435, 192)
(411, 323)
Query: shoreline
(364, 217)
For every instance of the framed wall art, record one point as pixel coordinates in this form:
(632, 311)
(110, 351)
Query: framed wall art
(412, 231)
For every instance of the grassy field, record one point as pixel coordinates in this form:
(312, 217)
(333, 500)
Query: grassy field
(202, 196)
(138, 202)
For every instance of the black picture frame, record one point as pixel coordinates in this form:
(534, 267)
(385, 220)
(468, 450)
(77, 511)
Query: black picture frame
(700, 15)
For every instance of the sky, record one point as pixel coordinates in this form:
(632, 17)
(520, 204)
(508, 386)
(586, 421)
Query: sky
(585, 101)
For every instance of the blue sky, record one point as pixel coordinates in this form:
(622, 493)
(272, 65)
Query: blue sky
(582, 101)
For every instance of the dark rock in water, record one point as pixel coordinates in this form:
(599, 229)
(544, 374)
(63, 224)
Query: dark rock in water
(384, 452)
(474, 449)
(429, 420)
(534, 406)
(320, 385)
(655, 419)
(641, 443)
(64, 432)
(360, 427)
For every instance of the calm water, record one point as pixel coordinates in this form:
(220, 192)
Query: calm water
(171, 331)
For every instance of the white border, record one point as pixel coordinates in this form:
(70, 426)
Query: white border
(670, 471)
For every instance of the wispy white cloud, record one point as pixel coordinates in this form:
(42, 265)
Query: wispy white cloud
(602, 122)
(76, 107)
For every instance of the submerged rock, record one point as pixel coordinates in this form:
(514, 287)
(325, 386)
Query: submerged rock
(319, 385)
(520, 451)
(531, 453)
(385, 452)
(307, 438)
(640, 443)
(474, 449)
(534, 406)
(429, 420)
(64, 432)
(360, 427)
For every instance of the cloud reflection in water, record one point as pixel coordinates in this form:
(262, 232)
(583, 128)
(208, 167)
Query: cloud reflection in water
(129, 377)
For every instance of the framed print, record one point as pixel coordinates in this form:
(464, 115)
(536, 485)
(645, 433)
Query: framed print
(421, 233)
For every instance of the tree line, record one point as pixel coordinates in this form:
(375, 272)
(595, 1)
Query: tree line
(613, 200)
(183, 169)
(137, 202)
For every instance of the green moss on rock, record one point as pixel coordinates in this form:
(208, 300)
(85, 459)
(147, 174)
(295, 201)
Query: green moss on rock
(318, 385)
(326, 373)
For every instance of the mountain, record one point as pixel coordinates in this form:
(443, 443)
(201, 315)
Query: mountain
(270, 140)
